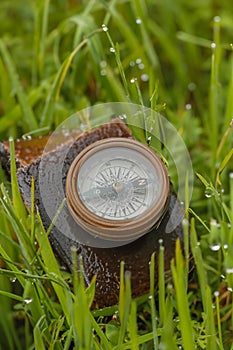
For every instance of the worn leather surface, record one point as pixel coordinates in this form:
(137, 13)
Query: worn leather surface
(102, 262)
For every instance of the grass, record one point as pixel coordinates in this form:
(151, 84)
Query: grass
(173, 56)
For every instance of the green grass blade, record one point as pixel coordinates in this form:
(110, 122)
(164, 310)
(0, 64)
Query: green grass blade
(38, 335)
(161, 285)
(198, 259)
(17, 199)
(177, 268)
(124, 303)
(26, 109)
(210, 327)
(52, 265)
(47, 115)
(152, 297)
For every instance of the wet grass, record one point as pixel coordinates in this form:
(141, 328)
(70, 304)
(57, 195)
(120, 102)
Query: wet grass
(175, 57)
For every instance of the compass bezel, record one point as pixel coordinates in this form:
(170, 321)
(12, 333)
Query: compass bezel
(112, 229)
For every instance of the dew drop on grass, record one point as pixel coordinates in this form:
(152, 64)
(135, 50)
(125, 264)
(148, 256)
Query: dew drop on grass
(150, 297)
(192, 86)
(132, 80)
(216, 293)
(148, 140)
(104, 27)
(132, 63)
(141, 66)
(138, 60)
(103, 72)
(160, 241)
(112, 50)
(217, 19)
(229, 289)
(225, 246)
(215, 247)
(188, 106)
(28, 300)
(231, 175)
(26, 137)
(138, 21)
(123, 116)
(144, 77)
(13, 279)
(213, 45)
(208, 193)
(103, 64)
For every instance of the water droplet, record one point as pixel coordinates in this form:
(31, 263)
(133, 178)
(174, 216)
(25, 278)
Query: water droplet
(229, 270)
(231, 175)
(26, 137)
(104, 27)
(229, 289)
(208, 192)
(138, 21)
(216, 293)
(123, 116)
(145, 77)
(13, 279)
(223, 277)
(198, 244)
(28, 300)
(103, 72)
(215, 247)
(149, 140)
(213, 45)
(141, 66)
(225, 246)
(160, 241)
(138, 60)
(112, 50)
(103, 64)
(188, 106)
(133, 80)
(217, 19)
(192, 86)
(150, 297)
(132, 63)
(213, 306)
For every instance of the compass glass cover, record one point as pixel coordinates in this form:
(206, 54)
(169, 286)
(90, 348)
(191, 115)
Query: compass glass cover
(117, 183)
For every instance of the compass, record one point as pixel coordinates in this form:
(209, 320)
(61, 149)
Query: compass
(117, 189)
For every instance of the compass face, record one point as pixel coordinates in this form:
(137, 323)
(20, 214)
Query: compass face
(117, 189)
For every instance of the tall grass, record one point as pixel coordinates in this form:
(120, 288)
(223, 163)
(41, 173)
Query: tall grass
(175, 57)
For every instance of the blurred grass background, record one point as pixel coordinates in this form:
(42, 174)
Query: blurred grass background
(58, 57)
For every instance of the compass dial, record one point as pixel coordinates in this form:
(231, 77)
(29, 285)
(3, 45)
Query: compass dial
(117, 189)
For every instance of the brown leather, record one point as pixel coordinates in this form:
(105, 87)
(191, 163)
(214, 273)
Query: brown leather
(104, 263)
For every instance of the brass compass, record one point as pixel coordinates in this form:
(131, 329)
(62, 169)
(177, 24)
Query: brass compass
(117, 189)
